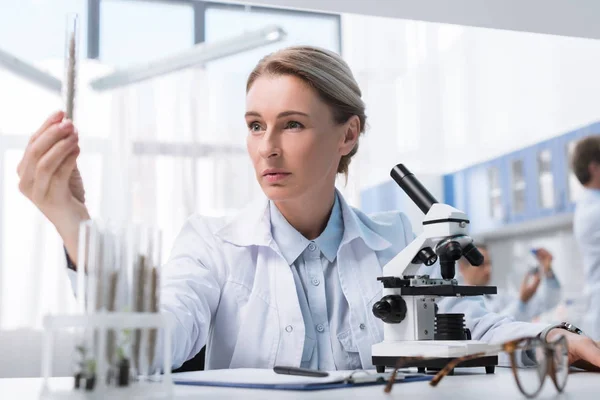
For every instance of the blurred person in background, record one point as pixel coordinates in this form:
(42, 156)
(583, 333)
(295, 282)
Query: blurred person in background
(290, 280)
(585, 164)
(539, 290)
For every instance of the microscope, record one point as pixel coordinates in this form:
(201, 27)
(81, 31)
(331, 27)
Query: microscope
(412, 325)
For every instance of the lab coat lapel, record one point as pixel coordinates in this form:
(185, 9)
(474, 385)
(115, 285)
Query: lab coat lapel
(359, 268)
(291, 323)
(252, 227)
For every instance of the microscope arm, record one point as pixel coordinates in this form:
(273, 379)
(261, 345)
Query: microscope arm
(401, 264)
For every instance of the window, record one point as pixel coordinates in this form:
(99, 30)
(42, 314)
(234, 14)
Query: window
(227, 77)
(31, 254)
(34, 30)
(201, 162)
(192, 122)
(134, 32)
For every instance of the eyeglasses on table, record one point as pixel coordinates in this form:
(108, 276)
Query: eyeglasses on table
(546, 359)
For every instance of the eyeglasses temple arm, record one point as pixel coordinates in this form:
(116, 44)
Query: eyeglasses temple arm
(400, 364)
(452, 364)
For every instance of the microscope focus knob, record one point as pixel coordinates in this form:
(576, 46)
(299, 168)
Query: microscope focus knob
(390, 309)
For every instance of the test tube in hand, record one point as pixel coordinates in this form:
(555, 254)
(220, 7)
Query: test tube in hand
(71, 47)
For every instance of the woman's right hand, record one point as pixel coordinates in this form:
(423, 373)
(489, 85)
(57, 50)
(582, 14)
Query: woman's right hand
(48, 176)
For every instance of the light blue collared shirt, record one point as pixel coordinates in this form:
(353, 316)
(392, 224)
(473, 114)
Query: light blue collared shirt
(323, 304)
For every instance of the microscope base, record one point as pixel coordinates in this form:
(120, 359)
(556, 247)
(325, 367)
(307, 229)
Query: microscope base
(435, 364)
(439, 353)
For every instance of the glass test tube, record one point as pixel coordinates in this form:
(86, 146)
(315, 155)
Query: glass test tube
(70, 64)
(146, 259)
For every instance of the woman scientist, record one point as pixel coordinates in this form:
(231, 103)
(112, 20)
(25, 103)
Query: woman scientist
(292, 279)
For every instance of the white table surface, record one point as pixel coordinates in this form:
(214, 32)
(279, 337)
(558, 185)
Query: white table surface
(467, 384)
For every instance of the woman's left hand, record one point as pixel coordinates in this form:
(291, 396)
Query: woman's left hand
(583, 352)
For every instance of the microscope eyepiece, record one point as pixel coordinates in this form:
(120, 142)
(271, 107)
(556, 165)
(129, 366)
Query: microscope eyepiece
(426, 256)
(473, 255)
(413, 188)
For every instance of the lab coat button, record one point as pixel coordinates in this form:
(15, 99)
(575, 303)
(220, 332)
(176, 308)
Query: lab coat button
(320, 328)
(316, 281)
(312, 247)
(289, 328)
(362, 326)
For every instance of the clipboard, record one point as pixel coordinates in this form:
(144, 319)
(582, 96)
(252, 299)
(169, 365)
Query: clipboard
(254, 378)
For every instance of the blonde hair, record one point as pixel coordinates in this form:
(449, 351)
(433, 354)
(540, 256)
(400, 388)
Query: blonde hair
(327, 73)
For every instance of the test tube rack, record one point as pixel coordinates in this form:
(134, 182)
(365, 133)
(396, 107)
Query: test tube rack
(154, 387)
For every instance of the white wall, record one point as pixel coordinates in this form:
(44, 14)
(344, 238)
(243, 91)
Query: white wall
(523, 88)
(441, 97)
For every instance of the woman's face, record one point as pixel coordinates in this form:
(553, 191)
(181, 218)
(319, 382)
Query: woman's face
(293, 140)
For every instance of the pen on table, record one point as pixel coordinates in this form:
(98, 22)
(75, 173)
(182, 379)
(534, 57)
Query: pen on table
(278, 369)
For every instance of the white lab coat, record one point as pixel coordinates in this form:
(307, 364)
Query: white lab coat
(586, 228)
(227, 286)
(545, 298)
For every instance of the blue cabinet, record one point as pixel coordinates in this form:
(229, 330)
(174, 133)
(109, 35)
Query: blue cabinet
(485, 196)
(531, 183)
(535, 182)
(455, 190)
(547, 194)
(518, 169)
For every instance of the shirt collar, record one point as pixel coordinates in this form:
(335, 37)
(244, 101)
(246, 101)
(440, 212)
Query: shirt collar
(329, 241)
(252, 226)
(292, 243)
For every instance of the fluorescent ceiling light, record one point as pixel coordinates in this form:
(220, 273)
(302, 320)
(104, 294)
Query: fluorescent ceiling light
(197, 55)
(30, 72)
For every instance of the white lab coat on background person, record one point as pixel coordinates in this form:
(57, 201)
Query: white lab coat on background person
(586, 227)
(228, 286)
(546, 297)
